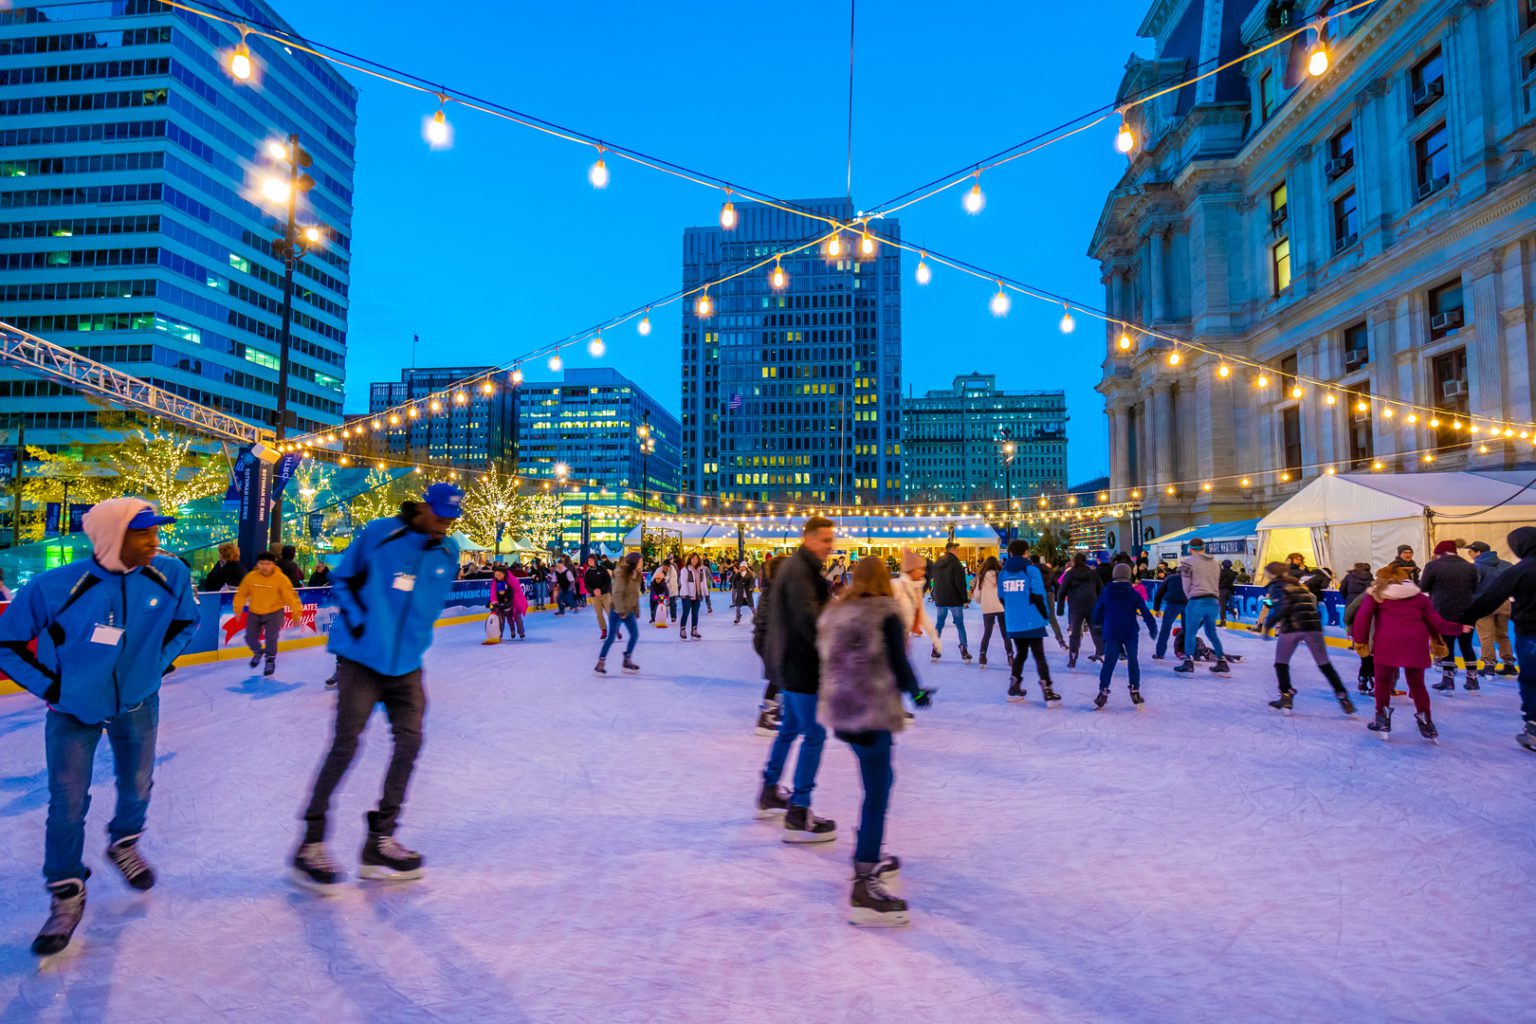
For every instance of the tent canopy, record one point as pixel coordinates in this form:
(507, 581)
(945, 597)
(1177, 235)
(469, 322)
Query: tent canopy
(860, 531)
(1363, 517)
(1221, 538)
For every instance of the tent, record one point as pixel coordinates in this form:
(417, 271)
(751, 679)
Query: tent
(465, 544)
(1337, 521)
(1237, 540)
(854, 533)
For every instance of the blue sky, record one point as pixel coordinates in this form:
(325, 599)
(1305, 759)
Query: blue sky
(499, 245)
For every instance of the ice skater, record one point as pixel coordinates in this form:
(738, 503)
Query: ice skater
(1202, 584)
(389, 591)
(623, 610)
(1450, 581)
(1517, 583)
(984, 593)
(266, 595)
(1077, 592)
(1116, 612)
(862, 644)
(508, 606)
(1395, 624)
(793, 604)
(742, 581)
(770, 711)
(1297, 622)
(1026, 612)
(909, 587)
(693, 588)
(93, 639)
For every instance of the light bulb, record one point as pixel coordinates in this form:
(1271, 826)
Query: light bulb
(835, 247)
(1330, 399)
(1296, 391)
(1285, 478)
(644, 327)
(777, 279)
(597, 174)
(728, 215)
(411, 412)
(1067, 325)
(703, 306)
(1124, 140)
(597, 346)
(1413, 417)
(1136, 495)
(975, 199)
(555, 362)
(1174, 358)
(1223, 371)
(436, 406)
(1387, 413)
(867, 243)
(1331, 471)
(487, 388)
(1125, 342)
(1429, 458)
(459, 398)
(1317, 63)
(1262, 382)
(1434, 421)
(275, 189)
(394, 420)
(517, 375)
(1000, 302)
(240, 63)
(437, 131)
(311, 234)
(1376, 464)
(1244, 482)
(1482, 449)
(1170, 488)
(924, 275)
(1205, 486)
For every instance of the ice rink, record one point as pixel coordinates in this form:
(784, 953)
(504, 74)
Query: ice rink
(593, 855)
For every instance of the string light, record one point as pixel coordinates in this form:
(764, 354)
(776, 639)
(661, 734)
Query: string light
(1387, 413)
(437, 131)
(1262, 381)
(459, 398)
(596, 346)
(1125, 141)
(1126, 343)
(728, 214)
(1434, 421)
(411, 412)
(1205, 486)
(1331, 471)
(517, 374)
(703, 306)
(597, 174)
(1067, 325)
(487, 388)
(1296, 391)
(835, 246)
(644, 327)
(1330, 398)
(1174, 358)
(1376, 464)
(924, 275)
(1413, 417)
(435, 405)
(1170, 489)
(866, 243)
(1285, 478)
(1317, 61)
(1000, 302)
(555, 362)
(1244, 482)
(778, 280)
(240, 63)
(975, 199)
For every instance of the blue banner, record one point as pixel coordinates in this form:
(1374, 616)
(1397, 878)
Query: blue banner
(51, 518)
(77, 517)
(316, 521)
(285, 467)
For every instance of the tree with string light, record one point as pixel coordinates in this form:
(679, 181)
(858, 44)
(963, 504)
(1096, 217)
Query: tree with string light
(491, 505)
(380, 498)
(541, 518)
(167, 468)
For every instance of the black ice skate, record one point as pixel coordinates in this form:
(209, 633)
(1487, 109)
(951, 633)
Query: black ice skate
(65, 909)
(1472, 685)
(1187, 668)
(315, 870)
(629, 664)
(1366, 685)
(1100, 699)
(801, 826)
(386, 860)
(1072, 661)
(1345, 704)
(1447, 683)
(981, 662)
(1527, 739)
(135, 869)
(871, 904)
(1426, 727)
(1221, 667)
(1286, 701)
(965, 653)
(934, 656)
(1052, 698)
(1016, 692)
(330, 682)
(693, 634)
(886, 870)
(1382, 727)
(255, 659)
(1509, 668)
(771, 800)
(271, 667)
(601, 668)
(1137, 700)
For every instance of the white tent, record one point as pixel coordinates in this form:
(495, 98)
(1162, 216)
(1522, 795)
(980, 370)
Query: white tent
(853, 532)
(1337, 521)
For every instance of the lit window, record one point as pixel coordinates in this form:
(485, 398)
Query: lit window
(1280, 257)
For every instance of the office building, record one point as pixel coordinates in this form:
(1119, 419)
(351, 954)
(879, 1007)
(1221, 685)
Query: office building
(132, 223)
(468, 426)
(1368, 230)
(956, 442)
(792, 394)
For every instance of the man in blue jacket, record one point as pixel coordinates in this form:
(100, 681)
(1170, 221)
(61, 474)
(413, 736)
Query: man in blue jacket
(106, 630)
(389, 591)
(1026, 612)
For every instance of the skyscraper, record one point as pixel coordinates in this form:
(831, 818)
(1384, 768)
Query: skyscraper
(472, 428)
(793, 394)
(132, 224)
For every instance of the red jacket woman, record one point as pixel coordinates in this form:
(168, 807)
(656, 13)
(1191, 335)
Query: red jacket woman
(1396, 624)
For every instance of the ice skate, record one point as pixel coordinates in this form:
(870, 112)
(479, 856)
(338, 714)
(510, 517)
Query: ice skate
(1100, 699)
(1071, 661)
(768, 721)
(1285, 703)
(887, 869)
(682, 633)
(1527, 739)
(65, 909)
(771, 800)
(1221, 667)
(1052, 698)
(271, 667)
(629, 665)
(981, 662)
(1187, 667)
(255, 660)
(601, 668)
(1427, 727)
(871, 903)
(1509, 668)
(1137, 700)
(934, 656)
(314, 869)
(693, 634)
(1345, 704)
(801, 826)
(965, 653)
(1382, 727)
(330, 682)
(1365, 685)
(1016, 692)
(1472, 685)
(125, 855)
(383, 859)
(1447, 683)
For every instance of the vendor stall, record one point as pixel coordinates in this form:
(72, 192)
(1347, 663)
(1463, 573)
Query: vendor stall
(856, 535)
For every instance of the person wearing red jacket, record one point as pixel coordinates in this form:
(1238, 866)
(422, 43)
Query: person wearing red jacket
(1396, 624)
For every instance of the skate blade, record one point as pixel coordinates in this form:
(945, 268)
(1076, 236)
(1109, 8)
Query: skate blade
(862, 918)
(1141, 707)
(1052, 705)
(303, 881)
(764, 813)
(1017, 700)
(48, 962)
(798, 838)
(1383, 736)
(631, 671)
(765, 732)
(380, 873)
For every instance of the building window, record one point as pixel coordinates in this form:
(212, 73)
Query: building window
(1280, 260)
(1341, 151)
(1427, 82)
(1288, 367)
(1357, 347)
(1346, 221)
(1448, 377)
(1267, 98)
(1278, 207)
(1432, 161)
(1447, 313)
(1362, 443)
(1290, 439)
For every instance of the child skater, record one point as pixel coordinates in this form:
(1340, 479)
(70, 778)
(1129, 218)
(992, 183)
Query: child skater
(1115, 613)
(508, 603)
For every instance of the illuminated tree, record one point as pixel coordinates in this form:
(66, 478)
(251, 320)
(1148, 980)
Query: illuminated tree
(491, 500)
(164, 467)
(541, 518)
(383, 492)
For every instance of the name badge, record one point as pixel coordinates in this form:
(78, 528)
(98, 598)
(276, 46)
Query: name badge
(109, 635)
(404, 582)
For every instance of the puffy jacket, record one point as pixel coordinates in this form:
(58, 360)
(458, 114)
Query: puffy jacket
(693, 583)
(266, 594)
(61, 609)
(1488, 566)
(1227, 580)
(948, 578)
(1116, 612)
(1518, 582)
(794, 602)
(1354, 584)
(1079, 589)
(1022, 590)
(389, 591)
(1399, 626)
(1450, 581)
(628, 582)
(1171, 594)
(864, 666)
(1202, 575)
(598, 580)
(225, 574)
(985, 593)
(742, 582)
(507, 596)
(1294, 609)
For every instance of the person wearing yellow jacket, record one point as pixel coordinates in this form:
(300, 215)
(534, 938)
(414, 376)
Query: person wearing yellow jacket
(269, 594)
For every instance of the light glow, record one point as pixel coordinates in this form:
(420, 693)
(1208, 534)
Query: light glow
(975, 200)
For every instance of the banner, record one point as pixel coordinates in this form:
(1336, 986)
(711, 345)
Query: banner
(77, 517)
(51, 519)
(316, 521)
(285, 467)
(254, 503)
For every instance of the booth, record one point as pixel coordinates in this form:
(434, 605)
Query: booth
(1336, 521)
(1238, 541)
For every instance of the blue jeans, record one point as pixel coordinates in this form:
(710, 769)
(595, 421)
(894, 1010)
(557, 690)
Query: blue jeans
(70, 746)
(958, 612)
(1201, 611)
(1114, 648)
(690, 608)
(873, 749)
(631, 623)
(1525, 657)
(1171, 614)
(798, 719)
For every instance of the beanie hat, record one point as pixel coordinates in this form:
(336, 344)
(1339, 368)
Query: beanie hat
(1445, 547)
(1122, 572)
(911, 560)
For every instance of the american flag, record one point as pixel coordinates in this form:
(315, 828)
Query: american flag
(735, 401)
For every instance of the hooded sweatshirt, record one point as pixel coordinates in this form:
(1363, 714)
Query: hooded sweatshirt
(1518, 582)
(1116, 611)
(1202, 575)
(1488, 565)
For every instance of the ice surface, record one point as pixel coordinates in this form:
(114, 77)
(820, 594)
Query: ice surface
(593, 856)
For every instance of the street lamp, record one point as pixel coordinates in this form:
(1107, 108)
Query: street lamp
(647, 446)
(1008, 449)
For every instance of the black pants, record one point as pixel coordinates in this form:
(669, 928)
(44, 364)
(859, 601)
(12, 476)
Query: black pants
(1467, 654)
(405, 703)
(261, 632)
(1226, 606)
(1077, 618)
(989, 621)
(1023, 647)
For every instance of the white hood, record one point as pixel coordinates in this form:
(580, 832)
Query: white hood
(105, 525)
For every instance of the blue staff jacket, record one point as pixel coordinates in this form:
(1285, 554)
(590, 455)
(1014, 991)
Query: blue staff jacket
(390, 590)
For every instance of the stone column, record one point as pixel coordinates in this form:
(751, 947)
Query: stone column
(1157, 246)
(1488, 371)
(1165, 441)
(1371, 139)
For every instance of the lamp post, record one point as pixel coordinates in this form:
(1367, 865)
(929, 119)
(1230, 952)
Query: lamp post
(647, 445)
(293, 246)
(1008, 450)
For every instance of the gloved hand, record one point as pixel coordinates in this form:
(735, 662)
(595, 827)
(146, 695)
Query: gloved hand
(923, 698)
(1364, 650)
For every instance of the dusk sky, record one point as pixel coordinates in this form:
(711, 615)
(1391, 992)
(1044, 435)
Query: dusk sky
(499, 244)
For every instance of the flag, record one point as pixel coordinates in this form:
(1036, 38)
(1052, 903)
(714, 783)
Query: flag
(735, 400)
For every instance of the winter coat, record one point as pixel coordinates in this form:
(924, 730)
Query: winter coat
(1116, 612)
(985, 592)
(1202, 575)
(266, 594)
(741, 583)
(1410, 565)
(74, 666)
(1171, 594)
(1518, 582)
(1354, 584)
(864, 666)
(1315, 580)
(760, 623)
(909, 602)
(628, 581)
(948, 577)
(225, 574)
(1022, 589)
(1227, 580)
(794, 602)
(507, 596)
(1399, 626)
(1105, 571)
(1078, 590)
(693, 583)
(598, 580)
(389, 592)
(320, 576)
(290, 568)
(1294, 609)
(1450, 581)
(1488, 565)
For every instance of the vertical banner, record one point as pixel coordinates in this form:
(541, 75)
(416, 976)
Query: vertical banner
(285, 467)
(51, 519)
(77, 517)
(316, 521)
(254, 485)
